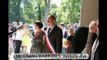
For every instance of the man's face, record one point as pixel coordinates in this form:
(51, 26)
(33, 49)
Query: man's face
(50, 21)
(94, 29)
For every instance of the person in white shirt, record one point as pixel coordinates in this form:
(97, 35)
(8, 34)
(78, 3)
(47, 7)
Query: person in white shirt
(18, 39)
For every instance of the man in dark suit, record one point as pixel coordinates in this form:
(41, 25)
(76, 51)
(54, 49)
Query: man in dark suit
(95, 47)
(90, 40)
(95, 50)
(79, 40)
(55, 35)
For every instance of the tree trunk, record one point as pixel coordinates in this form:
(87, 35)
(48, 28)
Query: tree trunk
(39, 12)
(47, 2)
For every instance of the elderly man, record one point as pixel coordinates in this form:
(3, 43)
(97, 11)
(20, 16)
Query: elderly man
(95, 47)
(54, 36)
(93, 28)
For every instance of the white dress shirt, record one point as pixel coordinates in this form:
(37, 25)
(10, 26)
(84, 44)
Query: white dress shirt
(19, 34)
(94, 47)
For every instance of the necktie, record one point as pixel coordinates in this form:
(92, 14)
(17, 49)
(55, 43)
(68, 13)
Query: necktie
(49, 30)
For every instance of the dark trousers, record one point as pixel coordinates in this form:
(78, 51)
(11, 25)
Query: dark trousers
(17, 46)
(14, 45)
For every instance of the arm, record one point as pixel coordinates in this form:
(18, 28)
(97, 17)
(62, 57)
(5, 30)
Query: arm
(88, 45)
(12, 32)
(59, 42)
(15, 30)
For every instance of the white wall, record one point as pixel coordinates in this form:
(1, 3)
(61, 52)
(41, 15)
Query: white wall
(89, 11)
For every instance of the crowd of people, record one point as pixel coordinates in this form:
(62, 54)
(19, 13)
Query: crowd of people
(53, 38)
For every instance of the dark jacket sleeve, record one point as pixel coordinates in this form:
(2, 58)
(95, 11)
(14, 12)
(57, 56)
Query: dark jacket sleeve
(59, 41)
(15, 30)
(12, 32)
(79, 40)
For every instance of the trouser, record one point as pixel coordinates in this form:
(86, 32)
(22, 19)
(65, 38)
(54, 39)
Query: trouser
(14, 45)
(17, 46)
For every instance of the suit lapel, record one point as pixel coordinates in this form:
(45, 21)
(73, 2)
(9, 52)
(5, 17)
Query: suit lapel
(51, 32)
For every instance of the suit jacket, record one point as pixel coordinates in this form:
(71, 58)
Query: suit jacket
(96, 55)
(95, 50)
(56, 38)
(79, 40)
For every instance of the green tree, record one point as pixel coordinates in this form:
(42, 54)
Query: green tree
(72, 10)
(40, 12)
(14, 10)
(47, 10)
(69, 12)
(27, 11)
(31, 10)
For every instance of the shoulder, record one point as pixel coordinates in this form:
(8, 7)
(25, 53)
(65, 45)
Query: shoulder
(58, 28)
(43, 32)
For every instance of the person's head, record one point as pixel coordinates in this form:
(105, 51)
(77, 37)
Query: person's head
(71, 31)
(93, 26)
(66, 43)
(61, 25)
(75, 26)
(20, 23)
(68, 26)
(25, 26)
(14, 24)
(38, 25)
(51, 20)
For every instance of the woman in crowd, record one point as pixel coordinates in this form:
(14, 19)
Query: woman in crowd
(26, 40)
(69, 39)
(18, 39)
(38, 36)
(76, 26)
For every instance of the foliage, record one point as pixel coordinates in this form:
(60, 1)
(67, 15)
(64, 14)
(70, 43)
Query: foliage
(31, 10)
(14, 10)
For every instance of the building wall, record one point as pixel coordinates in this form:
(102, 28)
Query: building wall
(89, 11)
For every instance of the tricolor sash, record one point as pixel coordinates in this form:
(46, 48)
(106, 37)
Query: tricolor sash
(49, 44)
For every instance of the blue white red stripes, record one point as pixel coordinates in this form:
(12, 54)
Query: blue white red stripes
(49, 44)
